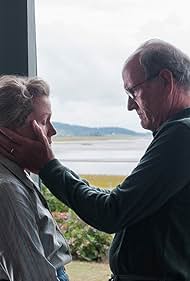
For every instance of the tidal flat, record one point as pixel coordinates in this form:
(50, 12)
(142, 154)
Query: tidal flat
(116, 156)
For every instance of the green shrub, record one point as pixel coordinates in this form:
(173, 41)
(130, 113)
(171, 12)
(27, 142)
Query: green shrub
(86, 242)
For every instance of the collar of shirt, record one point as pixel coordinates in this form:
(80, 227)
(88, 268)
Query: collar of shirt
(185, 113)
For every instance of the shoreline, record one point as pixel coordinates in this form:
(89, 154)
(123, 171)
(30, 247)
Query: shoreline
(62, 139)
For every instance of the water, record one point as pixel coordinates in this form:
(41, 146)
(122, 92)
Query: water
(110, 157)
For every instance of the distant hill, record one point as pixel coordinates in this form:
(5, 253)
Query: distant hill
(76, 130)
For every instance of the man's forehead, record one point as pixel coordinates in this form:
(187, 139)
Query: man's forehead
(133, 68)
(132, 61)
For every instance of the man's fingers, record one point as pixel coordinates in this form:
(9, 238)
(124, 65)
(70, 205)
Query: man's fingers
(10, 136)
(8, 147)
(4, 138)
(7, 154)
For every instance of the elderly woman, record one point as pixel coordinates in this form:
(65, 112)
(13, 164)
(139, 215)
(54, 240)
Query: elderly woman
(32, 247)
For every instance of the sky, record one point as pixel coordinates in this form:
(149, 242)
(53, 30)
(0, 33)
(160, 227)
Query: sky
(83, 44)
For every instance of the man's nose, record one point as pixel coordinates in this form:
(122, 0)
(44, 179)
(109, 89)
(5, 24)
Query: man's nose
(131, 104)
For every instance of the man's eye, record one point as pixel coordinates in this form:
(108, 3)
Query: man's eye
(132, 91)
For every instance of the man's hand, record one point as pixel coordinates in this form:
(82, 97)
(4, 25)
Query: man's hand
(29, 154)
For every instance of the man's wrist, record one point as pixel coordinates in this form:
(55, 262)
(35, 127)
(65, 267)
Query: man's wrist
(47, 166)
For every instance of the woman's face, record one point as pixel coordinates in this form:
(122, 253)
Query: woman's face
(42, 115)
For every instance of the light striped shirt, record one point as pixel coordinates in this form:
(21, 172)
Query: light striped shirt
(31, 244)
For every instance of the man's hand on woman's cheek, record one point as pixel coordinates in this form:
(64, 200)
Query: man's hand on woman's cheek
(29, 154)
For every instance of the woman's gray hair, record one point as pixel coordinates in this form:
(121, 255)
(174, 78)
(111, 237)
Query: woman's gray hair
(17, 95)
(155, 55)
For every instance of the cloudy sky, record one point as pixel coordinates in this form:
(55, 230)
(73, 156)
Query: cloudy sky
(82, 45)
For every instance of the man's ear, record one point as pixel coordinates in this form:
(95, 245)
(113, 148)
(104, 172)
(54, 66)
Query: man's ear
(168, 80)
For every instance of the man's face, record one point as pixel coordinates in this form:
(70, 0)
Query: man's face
(42, 115)
(148, 98)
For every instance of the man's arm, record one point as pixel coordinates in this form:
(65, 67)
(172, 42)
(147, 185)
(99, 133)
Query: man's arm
(162, 172)
(20, 244)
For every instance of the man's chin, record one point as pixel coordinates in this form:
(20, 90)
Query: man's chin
(146, 125)
(143, 124)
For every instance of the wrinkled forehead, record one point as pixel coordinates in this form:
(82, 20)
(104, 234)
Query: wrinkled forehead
(132, 69)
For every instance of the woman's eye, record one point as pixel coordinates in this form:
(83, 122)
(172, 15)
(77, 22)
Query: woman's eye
(43, 122)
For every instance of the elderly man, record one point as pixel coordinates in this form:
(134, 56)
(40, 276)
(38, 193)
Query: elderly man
(150, 210)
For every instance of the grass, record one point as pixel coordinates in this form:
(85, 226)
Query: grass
(91, 271)
(103, 181)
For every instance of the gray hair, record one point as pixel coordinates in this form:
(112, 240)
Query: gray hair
(155, 55)
(17, 95)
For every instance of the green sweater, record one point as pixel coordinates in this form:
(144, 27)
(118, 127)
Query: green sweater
(149, 211)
